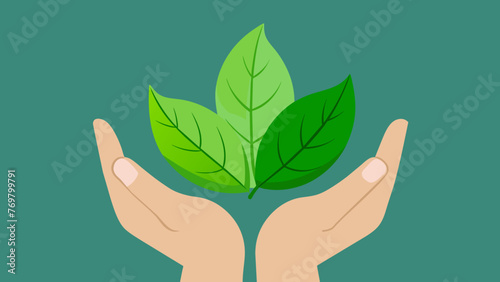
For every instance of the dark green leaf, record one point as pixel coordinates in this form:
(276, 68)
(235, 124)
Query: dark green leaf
(306, 138)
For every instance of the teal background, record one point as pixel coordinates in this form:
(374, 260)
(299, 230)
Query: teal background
(442, 221)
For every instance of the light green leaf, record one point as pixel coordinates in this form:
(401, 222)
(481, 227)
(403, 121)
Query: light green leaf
(306, 138)
(253, 87)
(199, 144)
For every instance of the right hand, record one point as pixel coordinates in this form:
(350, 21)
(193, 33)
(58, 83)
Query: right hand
(305, 232)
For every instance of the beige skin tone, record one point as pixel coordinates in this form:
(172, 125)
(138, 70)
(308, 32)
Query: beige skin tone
(293, 241)
(208, 244)
(304, 232)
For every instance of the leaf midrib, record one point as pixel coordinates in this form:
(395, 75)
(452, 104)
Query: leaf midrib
(194, 144)
(252, 157)
(250, 109)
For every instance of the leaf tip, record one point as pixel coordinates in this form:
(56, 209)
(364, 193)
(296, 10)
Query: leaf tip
(260, 28)
(151, 90)
(153, 95)
(348, 80)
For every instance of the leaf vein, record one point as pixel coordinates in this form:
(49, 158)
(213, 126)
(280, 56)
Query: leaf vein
(332, 118)
(223, 148)
(308, 142)
(301, 170)
(246, 67)
(239, 133)
(165, 124)
(278, 149)
(198, 128)
(255, 75)
(236, 97)
(206, 154)
(209, 172)
(269, 99)
(320, 145)
(301, 130)
(186, 149)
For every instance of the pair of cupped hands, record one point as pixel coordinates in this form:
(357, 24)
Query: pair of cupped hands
(294, 240)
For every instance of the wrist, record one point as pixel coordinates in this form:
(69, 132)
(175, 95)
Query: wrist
(230, 270)
(286, 269)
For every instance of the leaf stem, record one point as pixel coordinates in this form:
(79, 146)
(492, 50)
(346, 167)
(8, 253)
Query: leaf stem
(250, 196)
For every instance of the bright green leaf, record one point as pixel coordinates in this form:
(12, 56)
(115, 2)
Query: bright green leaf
(199, 144)
(306, 138)
(252, 89)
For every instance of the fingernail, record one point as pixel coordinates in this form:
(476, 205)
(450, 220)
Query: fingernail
(374, 171)
(125, 171)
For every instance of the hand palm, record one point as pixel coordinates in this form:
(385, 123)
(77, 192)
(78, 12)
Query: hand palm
(193, 231)
(305, 232)
(298, 236)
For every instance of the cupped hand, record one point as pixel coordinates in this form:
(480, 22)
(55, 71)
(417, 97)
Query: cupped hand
(195, 232)
(305, 232)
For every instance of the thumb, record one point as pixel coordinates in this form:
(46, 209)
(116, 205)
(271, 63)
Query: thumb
(161, 200)
(144, 186)
(357, 185)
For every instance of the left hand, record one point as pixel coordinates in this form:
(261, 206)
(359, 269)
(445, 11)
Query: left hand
(195, 232)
